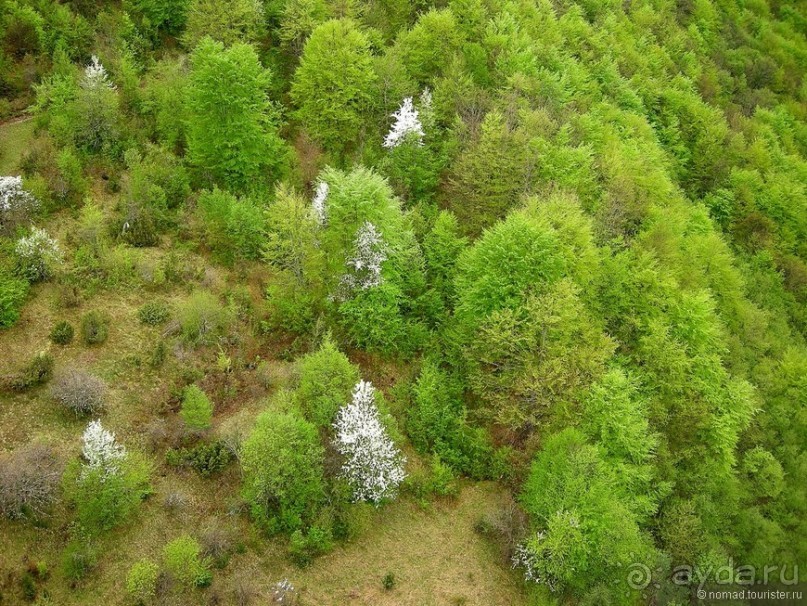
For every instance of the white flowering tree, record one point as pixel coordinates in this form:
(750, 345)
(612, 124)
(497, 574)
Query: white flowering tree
(95, 76)
(100, 450)
(407, 125)
(364, 266)
(319, 203)
(373, 465)
(16, 204)
(37, 254)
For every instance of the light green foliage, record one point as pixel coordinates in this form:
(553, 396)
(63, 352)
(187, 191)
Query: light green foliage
(197, 409)
(764, 473)
(183, 560)
(141, 581)
(583, 532)
(159, 15)
(13, 292)
(428, 47)
(282, 463)
(327, 379)
(231, 129)
(234, 226)
(229, 23)
(441, 248)
(202, 319)
(106, 500)
(333, 85)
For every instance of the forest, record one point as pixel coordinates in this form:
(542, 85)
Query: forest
(402, 302)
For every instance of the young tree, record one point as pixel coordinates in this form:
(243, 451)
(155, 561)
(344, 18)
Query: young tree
(17, 205)
(13, 292)
(37, 255)
(407, 126)
(327, 378)
(108, 483)
(231, 130)
(230, 23)
(96, 111)
(332, 86)
(373, 465)
(282, 462)
(29, 481)
(197, 409)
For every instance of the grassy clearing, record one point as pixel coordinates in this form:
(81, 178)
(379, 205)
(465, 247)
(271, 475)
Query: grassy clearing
(15, 137)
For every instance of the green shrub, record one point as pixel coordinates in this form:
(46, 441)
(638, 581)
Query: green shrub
(38, 372)
(78, 559)
(388, 582)
(206, 459)
(197, 409)
(141, 582)
(202, 319)
(13, 292)
(153, 313)
(62, 333)
(304, 547)
(94, 328)
(183, 560)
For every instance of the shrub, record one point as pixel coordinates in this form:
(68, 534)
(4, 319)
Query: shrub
(206, 459)
(202, 318)
(79, 391)
(197, 409)
(78, 559)
(17, 206)
(94, 328)
(153, 313)
(62, 333)
(183, 560)
(304, 547)
(388, 582)
(29, 481)
(38, 372)
(141, 582)
(13, 292)
(37, 255)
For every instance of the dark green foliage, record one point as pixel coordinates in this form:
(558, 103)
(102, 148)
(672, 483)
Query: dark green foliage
(62, 333)
(234, 227)
(38, 371)
(94, 328)
(205, 459)
(304, 547)
(154, 313)
(388, 582)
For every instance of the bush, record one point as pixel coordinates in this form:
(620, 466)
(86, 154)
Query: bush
(62, 333)
(38, 372)
(388, 582)
(206, 459)
(197, 409)
(78, 559)
(79, 391)
(153, 313)
(94, 328)
(304, 547)
(29, 481)
(202, 319)
(37, 255)
(183, 560)
(141, 582)
(13, 292)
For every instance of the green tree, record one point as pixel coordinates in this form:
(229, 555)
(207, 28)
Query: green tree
(327, 379)
(230, 23)
(231, 130)
(332, 87)
(184, 561)
(197, 409)
(282, 462)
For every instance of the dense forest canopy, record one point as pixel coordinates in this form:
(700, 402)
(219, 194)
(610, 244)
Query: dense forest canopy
(272, 268)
